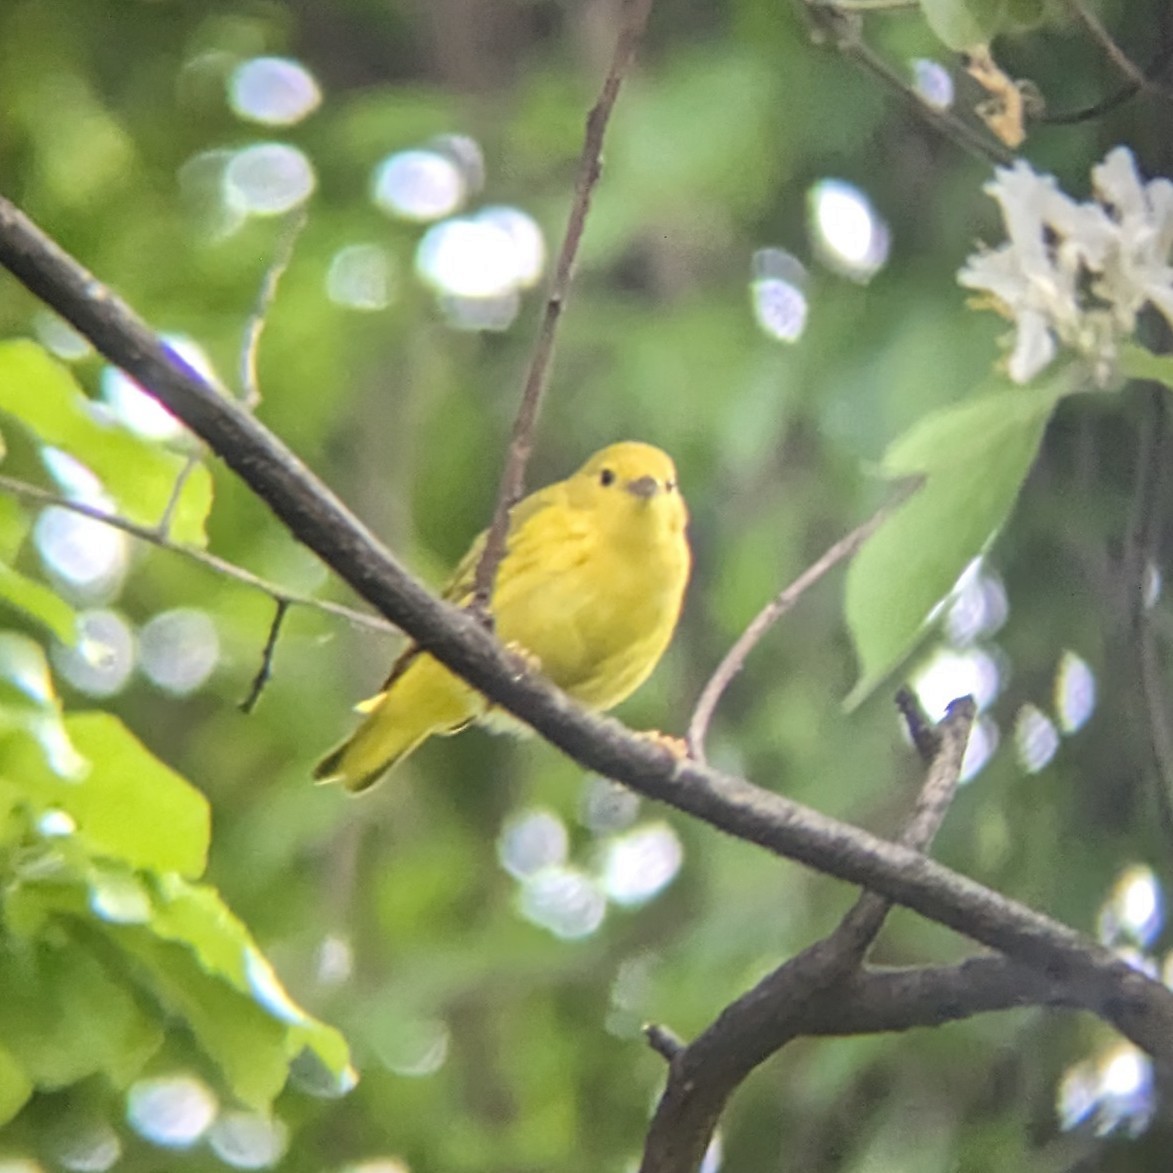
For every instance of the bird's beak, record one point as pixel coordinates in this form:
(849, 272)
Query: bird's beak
(645, 487)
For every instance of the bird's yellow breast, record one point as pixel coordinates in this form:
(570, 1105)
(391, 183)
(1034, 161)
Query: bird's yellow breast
(594, 592)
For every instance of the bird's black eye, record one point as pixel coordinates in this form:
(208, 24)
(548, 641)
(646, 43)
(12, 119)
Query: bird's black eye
(607, 477)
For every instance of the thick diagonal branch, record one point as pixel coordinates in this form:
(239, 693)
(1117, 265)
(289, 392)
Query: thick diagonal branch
(1140, 1007)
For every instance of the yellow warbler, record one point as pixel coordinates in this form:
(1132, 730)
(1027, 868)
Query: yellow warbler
(590, 587)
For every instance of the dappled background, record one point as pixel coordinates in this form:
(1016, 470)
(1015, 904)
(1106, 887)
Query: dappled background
(767, 289)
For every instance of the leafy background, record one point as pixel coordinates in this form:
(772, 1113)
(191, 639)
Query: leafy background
(493, 1024)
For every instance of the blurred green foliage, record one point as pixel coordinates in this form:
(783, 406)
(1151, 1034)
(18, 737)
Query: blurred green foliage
(483, 1040)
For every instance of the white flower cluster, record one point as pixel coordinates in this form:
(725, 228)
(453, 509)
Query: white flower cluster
(1077, 274)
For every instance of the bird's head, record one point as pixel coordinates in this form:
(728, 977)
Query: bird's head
(632, 485)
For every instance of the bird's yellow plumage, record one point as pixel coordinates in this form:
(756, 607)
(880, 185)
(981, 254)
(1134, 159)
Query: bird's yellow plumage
(590, 586)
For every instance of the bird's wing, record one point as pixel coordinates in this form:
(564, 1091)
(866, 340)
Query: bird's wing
(459, 587)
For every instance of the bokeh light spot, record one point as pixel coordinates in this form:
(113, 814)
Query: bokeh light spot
(933, 82)
(848, 234)
(142, 413)
(1152, 584)
(606, 806)
(179, 649)
(76, 481)
(88, 558)
(1035, 738)
(419, 185)
(361, 277)
(531, 840)
(85, 1145)
(528, 244)
(979, 606)
(275, 91)
(563, 900)
(1126, 1091)
(1075, 692)
(778, 290)
(56, 824)
(172, 1111)
(983, 742)
(206, 196)
(58, 336)
(1134, 912)
(641, 863)
(1079, 1093)
(335, 960)
(101, 662)
(469, 258)
(950, 673)
(248, 1140)
(415, 1048)
(269, 179)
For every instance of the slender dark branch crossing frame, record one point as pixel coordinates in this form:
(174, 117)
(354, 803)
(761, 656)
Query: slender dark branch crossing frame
(734, 659)
(521, 441)
(1090, 976)
(35, 495)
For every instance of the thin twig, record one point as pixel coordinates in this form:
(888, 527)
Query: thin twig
(665, 1042)
(149, 533)
(1112, 51)
(1151, 486)
(250, 385)
(704, 1074)
(1156, 66)
(266, 669)
(920, 727)
(163, 528)
(589, 169)
(734, 661)
(841, 28)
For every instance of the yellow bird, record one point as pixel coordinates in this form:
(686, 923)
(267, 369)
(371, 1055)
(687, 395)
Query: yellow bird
(590, 587)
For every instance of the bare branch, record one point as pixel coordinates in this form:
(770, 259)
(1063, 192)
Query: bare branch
(703, 1075)
(1083, 13)
(840, 25)
(250, 385)
(922, 731)
(149, 533)
(880, 999)
(266, 669)
(512, 484)
(735, 658)
(1141, 1008)
(163, 528)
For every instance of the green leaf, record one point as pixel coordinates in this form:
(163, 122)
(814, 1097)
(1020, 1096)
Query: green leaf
(206, 964)
(40, 602)
(1138, 363)
(962, 24)
(975, 457)
(196, 915)
(127, 804)
(15, 524)
(15, 1085)
(42, 394)
(63, 1017)
(234, 1032)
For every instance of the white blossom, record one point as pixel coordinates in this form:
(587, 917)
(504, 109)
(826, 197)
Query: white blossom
(1077, 274)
